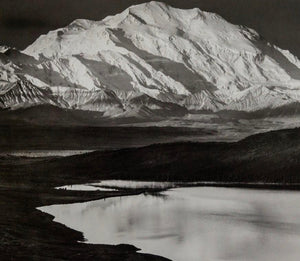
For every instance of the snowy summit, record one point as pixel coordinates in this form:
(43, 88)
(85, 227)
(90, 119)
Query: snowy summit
(151, 58)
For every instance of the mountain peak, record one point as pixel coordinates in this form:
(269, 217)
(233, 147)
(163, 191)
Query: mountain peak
(150, 5)
(158, 4)
(191, 58)
(81, 24)
(159, 8)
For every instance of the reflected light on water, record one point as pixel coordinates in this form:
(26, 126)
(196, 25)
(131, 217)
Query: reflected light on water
(199, 223)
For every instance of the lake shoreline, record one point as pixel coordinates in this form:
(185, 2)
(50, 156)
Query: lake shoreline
(28, 183)
(19, 199)
(22, 203)
(27, 233)
(258, 186)
(163, 185)
(187, 223)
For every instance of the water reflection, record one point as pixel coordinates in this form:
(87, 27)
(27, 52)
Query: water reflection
(87, 187)
(194, 223)
(133, 184)
(114, 185)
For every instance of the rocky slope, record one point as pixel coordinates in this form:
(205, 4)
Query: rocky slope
(152, 60)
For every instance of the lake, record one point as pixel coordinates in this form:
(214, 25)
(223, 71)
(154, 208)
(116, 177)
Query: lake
(195, 223)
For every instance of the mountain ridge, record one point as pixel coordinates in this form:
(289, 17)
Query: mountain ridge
(193, 59)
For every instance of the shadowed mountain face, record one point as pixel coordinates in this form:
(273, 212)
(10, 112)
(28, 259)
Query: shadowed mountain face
(152, 61)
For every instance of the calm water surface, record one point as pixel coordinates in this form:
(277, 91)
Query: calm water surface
(199, 223)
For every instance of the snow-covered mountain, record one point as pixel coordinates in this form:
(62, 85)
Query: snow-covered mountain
(151, 59)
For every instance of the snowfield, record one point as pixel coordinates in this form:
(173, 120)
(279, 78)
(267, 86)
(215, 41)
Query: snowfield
(151, 59)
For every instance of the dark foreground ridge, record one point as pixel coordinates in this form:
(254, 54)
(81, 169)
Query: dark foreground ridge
(27, 183)
(272, 157)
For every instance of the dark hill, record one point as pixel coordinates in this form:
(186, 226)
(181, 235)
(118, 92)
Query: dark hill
(269, 157)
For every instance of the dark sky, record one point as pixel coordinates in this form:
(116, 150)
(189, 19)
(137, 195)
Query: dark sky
(22, 21)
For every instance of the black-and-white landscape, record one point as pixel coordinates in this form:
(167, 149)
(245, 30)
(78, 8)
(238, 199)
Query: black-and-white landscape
(157, 133)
